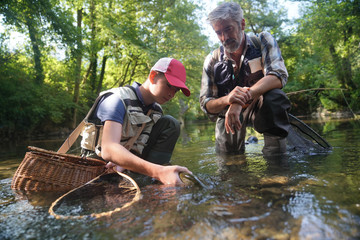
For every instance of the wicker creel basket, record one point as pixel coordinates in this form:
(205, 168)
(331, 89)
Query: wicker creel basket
(43, 170)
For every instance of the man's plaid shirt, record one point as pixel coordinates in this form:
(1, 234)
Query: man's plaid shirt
(262, 56)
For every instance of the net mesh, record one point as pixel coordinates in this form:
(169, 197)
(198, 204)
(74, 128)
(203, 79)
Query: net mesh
(102, 196)
(303, 138)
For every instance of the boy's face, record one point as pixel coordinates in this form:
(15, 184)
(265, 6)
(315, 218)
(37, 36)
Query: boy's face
(162, 90)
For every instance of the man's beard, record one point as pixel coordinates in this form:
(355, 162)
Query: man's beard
(231, 45)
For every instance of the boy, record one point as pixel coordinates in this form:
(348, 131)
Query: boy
(128, 128)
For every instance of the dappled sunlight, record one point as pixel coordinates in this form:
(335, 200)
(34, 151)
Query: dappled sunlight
(298, 196)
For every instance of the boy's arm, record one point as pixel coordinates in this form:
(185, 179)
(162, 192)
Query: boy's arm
(112, 150)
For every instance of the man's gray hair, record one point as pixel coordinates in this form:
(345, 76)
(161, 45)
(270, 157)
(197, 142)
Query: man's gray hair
(226, 11)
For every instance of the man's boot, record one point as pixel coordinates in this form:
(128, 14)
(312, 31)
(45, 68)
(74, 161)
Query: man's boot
(274, 145)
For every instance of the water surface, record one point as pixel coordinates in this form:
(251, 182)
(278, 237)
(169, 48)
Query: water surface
(301, 196)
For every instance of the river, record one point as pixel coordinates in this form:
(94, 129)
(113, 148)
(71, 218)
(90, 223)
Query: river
(301, 196)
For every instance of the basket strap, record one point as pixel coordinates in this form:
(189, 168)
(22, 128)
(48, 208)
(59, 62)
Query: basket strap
(72, 138)
(74, 135)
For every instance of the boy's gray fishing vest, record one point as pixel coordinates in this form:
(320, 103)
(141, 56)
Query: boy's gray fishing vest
(133, 121)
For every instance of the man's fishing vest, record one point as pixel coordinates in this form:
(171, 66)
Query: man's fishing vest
(133, 121)
(225, 78)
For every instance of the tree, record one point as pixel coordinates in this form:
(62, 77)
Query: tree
(28, 15)
(330, 31)
(263, 15)
(105, 44)
(130, 36)
(77, 53)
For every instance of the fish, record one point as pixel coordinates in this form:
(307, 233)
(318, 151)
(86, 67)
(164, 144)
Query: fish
(191, 180)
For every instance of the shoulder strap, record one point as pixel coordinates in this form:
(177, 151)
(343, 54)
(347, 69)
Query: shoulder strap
(76, 132)
(218, 53)
(97, 100)
(131, 87)
(256, 41)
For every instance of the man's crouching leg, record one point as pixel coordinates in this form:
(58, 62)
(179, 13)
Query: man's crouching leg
(274, 145)
(272, 120)
(162, 140)
(228, 143)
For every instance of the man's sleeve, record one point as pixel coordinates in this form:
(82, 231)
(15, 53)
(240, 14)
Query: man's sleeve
(208, 89)
(273, 61)
(111, 109)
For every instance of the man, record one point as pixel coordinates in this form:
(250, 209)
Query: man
(241, 85)
(128, 129)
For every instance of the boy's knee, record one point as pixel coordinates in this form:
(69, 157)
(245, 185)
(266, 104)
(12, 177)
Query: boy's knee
(171, 121)
(172, 124)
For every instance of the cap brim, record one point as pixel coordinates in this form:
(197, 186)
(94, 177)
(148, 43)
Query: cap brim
(178, 83)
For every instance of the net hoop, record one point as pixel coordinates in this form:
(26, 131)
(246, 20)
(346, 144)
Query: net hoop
(136, 198)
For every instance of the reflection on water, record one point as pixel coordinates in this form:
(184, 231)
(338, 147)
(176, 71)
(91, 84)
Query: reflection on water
(298, 196)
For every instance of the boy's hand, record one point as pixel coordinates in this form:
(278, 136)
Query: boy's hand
(112, 166)
(169, 175)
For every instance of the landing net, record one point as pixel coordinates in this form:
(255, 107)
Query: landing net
(301, 137)
(102, 196)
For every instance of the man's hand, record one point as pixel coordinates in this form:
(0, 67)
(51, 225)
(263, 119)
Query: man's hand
(170, 174)
(232, 118)
(239, 95)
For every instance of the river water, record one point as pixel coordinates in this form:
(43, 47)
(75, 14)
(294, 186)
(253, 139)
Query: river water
(301, 196)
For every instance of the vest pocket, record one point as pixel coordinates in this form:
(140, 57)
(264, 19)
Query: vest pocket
(255, 65)
(136, 118)
(89, 135)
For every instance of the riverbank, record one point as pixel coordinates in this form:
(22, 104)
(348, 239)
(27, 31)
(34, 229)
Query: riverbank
(56, 132)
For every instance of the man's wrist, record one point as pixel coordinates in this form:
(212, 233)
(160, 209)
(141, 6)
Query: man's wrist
(251, 93)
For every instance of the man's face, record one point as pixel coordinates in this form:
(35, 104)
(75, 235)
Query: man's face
(229, 33)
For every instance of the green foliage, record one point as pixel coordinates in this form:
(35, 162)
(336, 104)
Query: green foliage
(39, 19)
(25, 105)
(324, 53)
(115, 43)
(263, 15)
(74, 49)
(148, 31)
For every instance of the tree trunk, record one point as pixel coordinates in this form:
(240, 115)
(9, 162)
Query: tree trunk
(133, 69)
(183, 109)
(338, 66)
(102, 73)
(122, 82)
(87, 74)
(343, 69)
(78, 56)
(93, 48)
(39, 72)
(346, 62)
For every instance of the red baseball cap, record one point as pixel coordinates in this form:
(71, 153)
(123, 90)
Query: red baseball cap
(174, 72)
